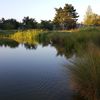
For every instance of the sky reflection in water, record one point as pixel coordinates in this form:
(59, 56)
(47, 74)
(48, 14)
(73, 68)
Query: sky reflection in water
(36, 74)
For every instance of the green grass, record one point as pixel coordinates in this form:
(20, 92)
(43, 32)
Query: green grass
(78, 37)
(7, 31)
(73, 41)
(85, 74)
(21, 36)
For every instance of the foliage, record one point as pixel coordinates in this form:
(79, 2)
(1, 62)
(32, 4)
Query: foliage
(29, 23)
(28, 38)
(48, 25)
(85, 73)
(8, 24)
(5, 32)
(66, 17)
(8, 42)
(91, 18)
(67, 43)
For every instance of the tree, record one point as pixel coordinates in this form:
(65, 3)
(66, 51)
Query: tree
(88, 20)
(91, 18)
(29, 23)
(46, 24)
(66, 17)
(9, 24)
(98, 20)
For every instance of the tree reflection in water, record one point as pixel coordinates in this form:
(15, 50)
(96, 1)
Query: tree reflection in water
(85, 69)
(8, 42)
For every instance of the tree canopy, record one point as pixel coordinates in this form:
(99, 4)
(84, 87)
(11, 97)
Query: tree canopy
(29, 23)
(91, 18)
(66, 17)
(46, 24)
(9, 24)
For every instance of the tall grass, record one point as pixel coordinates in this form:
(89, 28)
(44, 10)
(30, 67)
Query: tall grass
(85, 74)
(72, 42)
(27, 36)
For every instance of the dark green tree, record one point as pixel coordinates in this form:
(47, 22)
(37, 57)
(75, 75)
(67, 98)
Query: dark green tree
(29, 23)
(66, 17)
(46, 24)
(1, 22)
(9, 24)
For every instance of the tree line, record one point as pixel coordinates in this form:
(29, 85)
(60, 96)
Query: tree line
(27, 23)
(65, 18)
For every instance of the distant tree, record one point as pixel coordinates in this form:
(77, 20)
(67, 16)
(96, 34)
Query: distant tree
(91, 18)
(66, 17)
(9, 24)
(88, 20)
(1, 22)
(97, 19)
(46, 24)
(29, 23)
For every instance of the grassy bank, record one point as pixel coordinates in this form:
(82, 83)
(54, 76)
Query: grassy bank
(72, 41)
(85, 74)
(7, 32)
(66, 42)
(21, 36)
(80, 36)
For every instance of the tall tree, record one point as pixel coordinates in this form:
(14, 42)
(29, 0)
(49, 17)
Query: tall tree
(88, 20)
(91, 18)
(29, 23)
(66, 17)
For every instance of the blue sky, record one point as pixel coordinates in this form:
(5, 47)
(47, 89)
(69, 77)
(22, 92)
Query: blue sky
(43, 9)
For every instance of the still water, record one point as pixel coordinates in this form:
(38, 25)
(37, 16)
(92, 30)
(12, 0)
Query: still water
(33, 74)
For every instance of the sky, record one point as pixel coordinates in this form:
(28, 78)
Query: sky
(43, 9)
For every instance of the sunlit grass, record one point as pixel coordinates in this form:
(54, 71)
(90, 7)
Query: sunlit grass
(26, 36)
(71, 41)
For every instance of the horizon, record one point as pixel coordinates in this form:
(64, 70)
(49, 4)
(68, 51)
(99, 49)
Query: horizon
(43, 10)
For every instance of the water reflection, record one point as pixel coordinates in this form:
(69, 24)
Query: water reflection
(8, 42)
(43, 69)
(30, 46)
(34, 74)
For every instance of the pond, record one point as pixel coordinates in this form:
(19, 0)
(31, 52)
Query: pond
(40, 68)
(33, 74)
